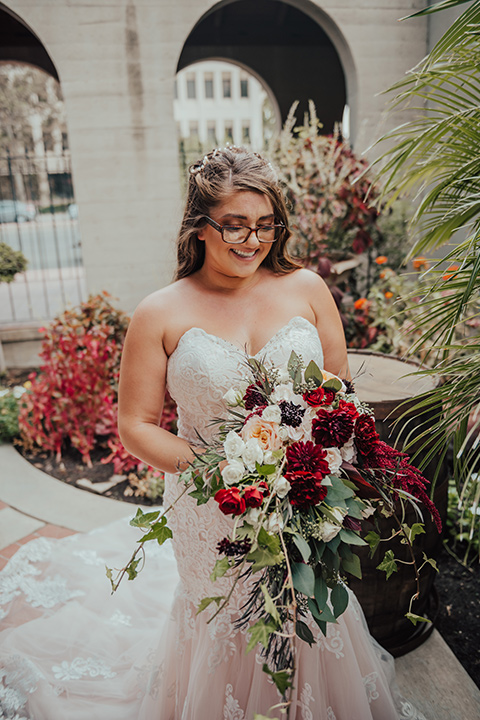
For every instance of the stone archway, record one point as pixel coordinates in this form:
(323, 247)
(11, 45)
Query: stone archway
(293, 45)
(18, 43)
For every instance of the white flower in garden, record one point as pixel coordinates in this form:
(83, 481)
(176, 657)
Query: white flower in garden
(233, 472)
(272, 413)
(281, 486)
(252, 454)
(334, 459)
(348, 451)
(275, 523)
(233, 445)
(328, 531)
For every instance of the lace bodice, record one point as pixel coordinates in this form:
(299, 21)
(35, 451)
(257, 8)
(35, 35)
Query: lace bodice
(203, 367)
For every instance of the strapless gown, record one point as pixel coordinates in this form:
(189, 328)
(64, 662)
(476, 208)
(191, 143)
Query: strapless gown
(71, 651)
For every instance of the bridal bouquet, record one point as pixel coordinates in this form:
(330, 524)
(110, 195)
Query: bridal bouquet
(298, 466)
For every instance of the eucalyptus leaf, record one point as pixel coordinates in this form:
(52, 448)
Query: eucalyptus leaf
(304, 632)
(303, 546)
(339, 598)
(303, 579)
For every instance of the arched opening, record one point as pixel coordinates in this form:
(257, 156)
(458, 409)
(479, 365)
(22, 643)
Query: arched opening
(38, 214)
(293, 46)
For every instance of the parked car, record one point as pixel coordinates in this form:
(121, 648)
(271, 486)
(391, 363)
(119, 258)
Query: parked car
(16, 211)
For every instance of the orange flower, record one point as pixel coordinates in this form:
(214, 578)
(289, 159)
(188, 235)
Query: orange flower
(382, 275)
(420, 263)
(358, 304)
(450, 272)
(388, 294)
(381, 260)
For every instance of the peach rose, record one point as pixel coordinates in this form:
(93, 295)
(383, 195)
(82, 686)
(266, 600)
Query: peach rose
(264, 431)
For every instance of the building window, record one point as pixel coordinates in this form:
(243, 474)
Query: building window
(228, 131)
(211, 133)
(244, 87)
(246, 131)
(209, 85)
(191, 89)
(227, 85)
(193, 129)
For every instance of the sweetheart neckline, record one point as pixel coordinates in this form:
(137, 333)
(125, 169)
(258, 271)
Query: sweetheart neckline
(236, 347)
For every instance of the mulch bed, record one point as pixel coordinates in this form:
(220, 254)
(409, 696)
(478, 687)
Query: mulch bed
(458, 587)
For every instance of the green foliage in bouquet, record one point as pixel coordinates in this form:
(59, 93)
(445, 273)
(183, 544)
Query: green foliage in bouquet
(11, 262)
(299, 467)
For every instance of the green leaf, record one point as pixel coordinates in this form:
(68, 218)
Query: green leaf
(313, 372)
(109, 574)
(325, 615)
(293, 364)
(339, 598)
(337, 493)
(159, 532)
(304, 632)
(430, 561)
(351, 538)
(303, 546)
(260, 633)
(267, 553)
(131, 569)
(388, 563)
(208, 600)
(303, 579)
(270, 606)
(265, 469)
(281, 678)
(143, 520)
(414, 530)
(332, 384)
(373, 539)
(220, 568)
(416, 618)
(321, 592)
(352, 565)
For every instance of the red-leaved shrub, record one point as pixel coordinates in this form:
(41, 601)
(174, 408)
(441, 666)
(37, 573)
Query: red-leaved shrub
(73, 398)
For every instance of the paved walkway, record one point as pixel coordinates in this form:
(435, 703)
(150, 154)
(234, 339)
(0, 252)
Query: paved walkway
(34, 504)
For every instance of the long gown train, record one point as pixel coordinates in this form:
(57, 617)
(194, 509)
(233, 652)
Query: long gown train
(69, 650)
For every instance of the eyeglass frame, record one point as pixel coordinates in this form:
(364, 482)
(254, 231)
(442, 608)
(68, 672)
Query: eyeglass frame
(220, 228)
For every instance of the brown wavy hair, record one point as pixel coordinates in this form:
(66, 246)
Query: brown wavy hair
(211, 180)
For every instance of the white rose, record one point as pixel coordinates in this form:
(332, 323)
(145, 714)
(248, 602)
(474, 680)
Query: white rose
(328, 531)
(232, 397)
(233, 472)
(233, 445)
(282, 432)
(295, 433)
(275, 523)
(285, 392)
(348, 451)
(252, 454)
(272, 413)
(334, 459)
(281, 486)
(268, 458)
(253, 516)
(338, 514)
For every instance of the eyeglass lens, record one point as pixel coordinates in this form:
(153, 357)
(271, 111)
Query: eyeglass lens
(238, 234)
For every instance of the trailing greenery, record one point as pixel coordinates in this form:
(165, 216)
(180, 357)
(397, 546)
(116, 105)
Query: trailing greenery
(436, 158)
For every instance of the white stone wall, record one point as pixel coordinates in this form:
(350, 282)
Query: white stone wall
(117, 62)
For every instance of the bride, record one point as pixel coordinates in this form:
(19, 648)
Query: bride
(69, 651)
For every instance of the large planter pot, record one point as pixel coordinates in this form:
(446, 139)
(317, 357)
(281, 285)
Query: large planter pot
(380, 381)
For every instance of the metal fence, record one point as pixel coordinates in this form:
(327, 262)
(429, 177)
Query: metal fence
(39, 216)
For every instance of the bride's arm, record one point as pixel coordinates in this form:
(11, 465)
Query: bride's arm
(142, 390)
(329, 325)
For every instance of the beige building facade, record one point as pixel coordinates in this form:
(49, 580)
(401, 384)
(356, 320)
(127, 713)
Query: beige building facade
(117, 61)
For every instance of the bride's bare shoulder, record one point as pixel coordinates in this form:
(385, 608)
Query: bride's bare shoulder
(156, 312)
(305, 281)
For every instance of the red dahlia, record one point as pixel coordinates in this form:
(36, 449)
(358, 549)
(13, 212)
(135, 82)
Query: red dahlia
(307, 457)
(335, 427)
(306, 489)
(253, 398)
(365, 434)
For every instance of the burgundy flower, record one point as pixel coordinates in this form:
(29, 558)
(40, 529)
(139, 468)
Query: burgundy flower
(334, 428)
(253, 496)
(306, 489)
(230, 501)
(308, 457)
(365, 433)
(234, 547)
(351, 523)
(349, 386)
(291, 414)
(253, 398)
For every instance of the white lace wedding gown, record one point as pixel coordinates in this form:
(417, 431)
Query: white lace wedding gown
(71, 651)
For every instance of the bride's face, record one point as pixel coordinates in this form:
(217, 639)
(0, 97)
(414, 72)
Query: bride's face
(241, 208)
